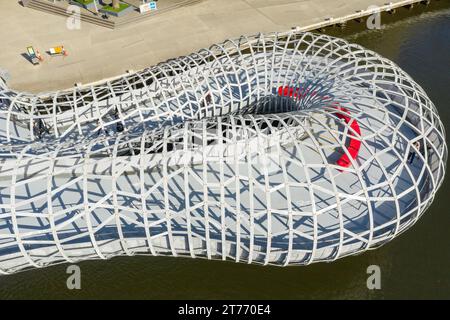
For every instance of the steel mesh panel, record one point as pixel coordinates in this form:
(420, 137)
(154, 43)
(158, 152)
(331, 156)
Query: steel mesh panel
(282, 149)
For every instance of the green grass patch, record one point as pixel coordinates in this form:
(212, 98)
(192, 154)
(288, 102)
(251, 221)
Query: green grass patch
(122, 6)
(84, 2)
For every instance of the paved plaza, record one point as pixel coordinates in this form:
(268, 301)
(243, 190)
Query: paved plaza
(96, 52)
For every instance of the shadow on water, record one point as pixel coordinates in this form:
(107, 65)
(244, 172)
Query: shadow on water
(413, 266)
(180, 278)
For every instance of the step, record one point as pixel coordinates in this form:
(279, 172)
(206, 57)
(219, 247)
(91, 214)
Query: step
(63, 13)
(47, 7)
(127, 20)
(111, 24)
(38, 5)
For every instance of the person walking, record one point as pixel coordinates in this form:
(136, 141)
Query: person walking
(412, 153)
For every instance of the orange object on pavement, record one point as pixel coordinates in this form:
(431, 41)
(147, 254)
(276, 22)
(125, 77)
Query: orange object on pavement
(58, 50)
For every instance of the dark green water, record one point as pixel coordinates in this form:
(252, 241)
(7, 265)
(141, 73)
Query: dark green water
(415, 265)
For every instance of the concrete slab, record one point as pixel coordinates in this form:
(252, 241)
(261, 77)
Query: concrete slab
(96, 52)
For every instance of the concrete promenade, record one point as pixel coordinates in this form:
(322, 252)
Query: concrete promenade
(96, 52)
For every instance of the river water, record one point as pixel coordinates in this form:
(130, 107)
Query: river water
(415, 265)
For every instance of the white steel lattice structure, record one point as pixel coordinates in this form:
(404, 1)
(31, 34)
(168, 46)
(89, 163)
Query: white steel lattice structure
(283, 149)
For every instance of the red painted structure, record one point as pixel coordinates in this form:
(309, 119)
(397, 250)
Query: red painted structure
(342, 113)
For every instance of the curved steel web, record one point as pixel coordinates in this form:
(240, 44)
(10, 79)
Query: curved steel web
(284, 149)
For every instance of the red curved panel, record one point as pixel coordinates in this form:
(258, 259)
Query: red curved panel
(354, 144)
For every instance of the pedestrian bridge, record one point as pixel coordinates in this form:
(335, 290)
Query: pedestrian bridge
(201, 156)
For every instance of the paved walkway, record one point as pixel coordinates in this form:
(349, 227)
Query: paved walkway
(96, 53)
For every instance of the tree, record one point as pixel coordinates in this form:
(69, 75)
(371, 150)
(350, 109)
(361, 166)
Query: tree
(116, 4)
